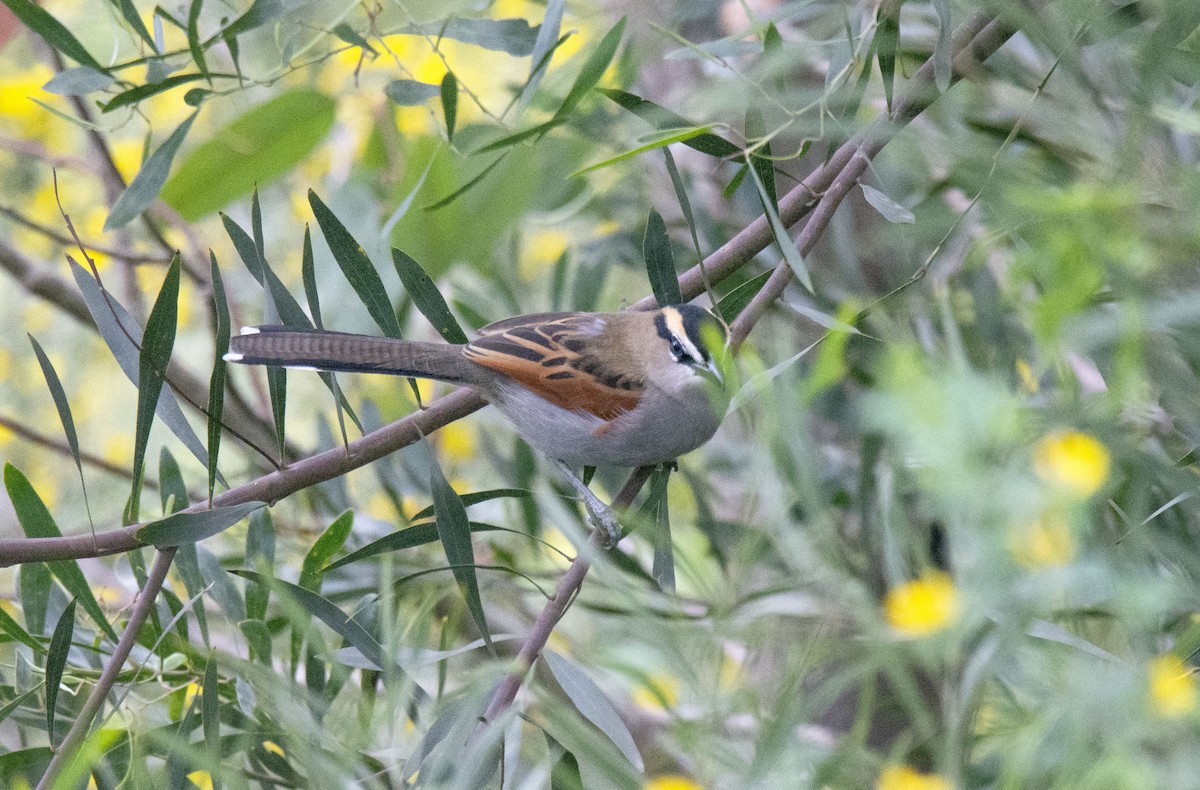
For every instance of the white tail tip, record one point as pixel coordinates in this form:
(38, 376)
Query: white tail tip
(250, 330)
(233, 356)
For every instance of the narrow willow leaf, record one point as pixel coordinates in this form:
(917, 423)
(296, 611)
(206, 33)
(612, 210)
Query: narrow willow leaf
(216, 383)
(37, 522)
(193, 38)
(454, 531)
(593, 69)
(685, 205)
(783, 241)
(181, 528)
(662, 118)
(219, 584)
(132, 18)
(187, 562)
(663, 568)
(593, 705)
(427, 298)
(664, 139)
(146, 185)
(660, 261)
(410, 93)
(12, 628)
(351, 36)
(79, 81)
(210, 705)
(121, 333)
(142, 92)
(258, 636)
(512, 139)
(456, 194)
(337, 620)
(888, 208)
(157, 343)
(942, 66)
(357, 267)
(449, 94)
(407, 538)
(761, 159)
(34, 582)
(544, 45)
(171, 489)
(736, 300)
(64, 413)
(475, 497)
(887, 42)
(513, 36)
(56, 662)
(308, 275)
(258, 14)
(322, 551)
(53, 31)
(260, 555)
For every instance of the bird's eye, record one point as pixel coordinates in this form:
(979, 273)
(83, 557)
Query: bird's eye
(677, 350)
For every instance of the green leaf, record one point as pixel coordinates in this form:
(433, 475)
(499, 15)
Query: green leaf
(56, 662)
(37, 522)
(258, 636)
(427, 298)
(260, 555)
(337, 620)
(662, 118)
(79, 81)
(887, 42)
(193, 37)
(663, 568)
(10, 626)
(121, 333)
(513, 36)
(459, 192)
(135, 95)
(130, 14)
(660, 262)
(449, 93)
(64, 412)
(511, 140)
(220, 586)
(416, 535)
(216, 383)
(791, 253)
(53, 31)
(544, 45)
(308, 275)
(180, 528)
(475, 497)
(34, 582)
(736, 300)
(591, 703)
(942, 66)
(171, 489)
(455, 533)
(888, 208)
(761, 160)
(667, 137)
(145, 186)
(210, 705)
(187, 562)
(322, 551)
(592, 71)
(351, 36)
(258, 14)
(157, 343)
(410, 93)
(357, 267)
(685, 205)
(252, 150)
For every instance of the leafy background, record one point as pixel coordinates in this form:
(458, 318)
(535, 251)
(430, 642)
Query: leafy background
(946, 537)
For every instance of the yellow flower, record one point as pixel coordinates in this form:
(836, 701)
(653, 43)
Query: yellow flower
(659, 692)
(1073, 461)
(922, 606)
(457, 442)
(201, 779)
(1172, 686)
(273, 748)
(672, 782)
(905, 777)
(540, 251)
(1046, 543)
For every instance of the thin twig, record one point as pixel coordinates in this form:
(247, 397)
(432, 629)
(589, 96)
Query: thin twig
(60, 446)
(137, 617)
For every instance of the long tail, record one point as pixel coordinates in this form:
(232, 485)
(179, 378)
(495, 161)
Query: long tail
(340, 351)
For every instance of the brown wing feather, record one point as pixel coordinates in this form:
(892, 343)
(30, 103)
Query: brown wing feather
(546, 353)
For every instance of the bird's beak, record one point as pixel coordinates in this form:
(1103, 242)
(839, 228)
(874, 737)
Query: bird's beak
(715, 371)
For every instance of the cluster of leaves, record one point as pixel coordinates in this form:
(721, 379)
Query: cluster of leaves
(946, 538)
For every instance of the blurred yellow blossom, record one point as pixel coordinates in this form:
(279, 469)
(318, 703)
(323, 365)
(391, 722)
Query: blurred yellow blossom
(273, 748)
(457, 442)
(201, 779)
(922, 606)
(672, 782)
(540, 251)
(659, 692)
(1073, 461)
(1172, 686)
(1029, 382)
(1045, 543)
(905, 777)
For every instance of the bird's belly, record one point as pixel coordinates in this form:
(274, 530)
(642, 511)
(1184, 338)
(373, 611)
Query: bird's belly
(650, 434)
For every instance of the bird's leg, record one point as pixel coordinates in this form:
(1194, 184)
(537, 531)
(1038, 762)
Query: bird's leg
(599, 514)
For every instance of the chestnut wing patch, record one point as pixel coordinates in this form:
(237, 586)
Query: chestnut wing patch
(545, 354)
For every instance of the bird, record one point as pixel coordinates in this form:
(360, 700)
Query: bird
(629, 388)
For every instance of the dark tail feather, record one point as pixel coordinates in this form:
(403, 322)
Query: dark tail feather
(340, 351)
